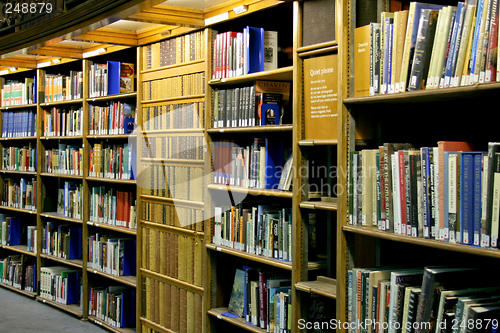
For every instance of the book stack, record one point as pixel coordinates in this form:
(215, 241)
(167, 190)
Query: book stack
(240, 53)
(60, 87)
(181, 49)
(62, 240)
(259, 165)
(19, 193)
(429, 46)
(60, 284)
(173, 116)
(416, 298)
(262, 298)
(115, 118)
(114, 305)
(112, 207)
(70, 200)
(111, 78)
(19, 93)
(64, 160)
(447, 193)
(19, 159)
(175, 86)
(17, 124)
(263, 230)
(111, 161)
(112, 255)
(63, 122)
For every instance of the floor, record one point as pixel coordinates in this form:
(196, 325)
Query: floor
(19, 313)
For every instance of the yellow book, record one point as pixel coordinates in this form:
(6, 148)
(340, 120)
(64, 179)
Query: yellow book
(362, 61)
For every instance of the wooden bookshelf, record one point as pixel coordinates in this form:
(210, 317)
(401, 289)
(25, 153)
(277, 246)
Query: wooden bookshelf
(323, 286)
(238, 322)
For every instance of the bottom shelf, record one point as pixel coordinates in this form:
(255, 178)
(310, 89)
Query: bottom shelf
(240, 322)
(99, 322)
(24, 292)
(74, 309)
(323, 286)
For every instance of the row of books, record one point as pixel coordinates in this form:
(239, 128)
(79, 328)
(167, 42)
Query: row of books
(174, 147)
(445, 192)
(62, 240)
(263, 103)
(173, 116)
(112, 161)
(114, 305)
(173, 181)
(63, 122)
(12, 232)
(15, 271)
(174, 255)
(19, 159)
(175, 86)
(64, 160)
(112, 207)
(19, 93)
(173, 215)
(262, 298)
(70, 200)
(259, 165)
(172, 51)
(18, 124)
(240, 53)
(19, 193)
(113, 77)
(432, 46)
(59, 87)
(112, 255)
(115, 118)
(176, 308)
(60, 284)
(262, 230)
(437, 299)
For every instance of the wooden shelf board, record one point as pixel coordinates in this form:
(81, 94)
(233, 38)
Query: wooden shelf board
(323, 286)
(109, 136)
(69, 137)
(432, 243)
(69, 101)
(24, 106)
(113, 227)
(60, 175)
(19, 138)
(176, 230)
(251, 191)
(19, 210)
(71, 308)
(28, 173)
(242, 254)
(173, 131)
(308, 143)
(157, 69)
(321, 205)
(240, 322)
(180, 202)
(171, 99)
(99, 322)
(71, 262)
(57, 216)
(112, 97)
(19, 248)
(280, 74)
(465, 92)
(110, 180)
(252, 129)
(24, 292)
(130, 280)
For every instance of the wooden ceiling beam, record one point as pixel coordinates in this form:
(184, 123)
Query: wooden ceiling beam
(109, 36)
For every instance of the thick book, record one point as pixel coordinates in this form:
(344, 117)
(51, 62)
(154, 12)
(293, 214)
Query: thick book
(254, 49)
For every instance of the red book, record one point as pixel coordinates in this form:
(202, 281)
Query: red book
(402, 190)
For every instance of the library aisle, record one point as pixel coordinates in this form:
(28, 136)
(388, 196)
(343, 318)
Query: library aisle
(41, 318)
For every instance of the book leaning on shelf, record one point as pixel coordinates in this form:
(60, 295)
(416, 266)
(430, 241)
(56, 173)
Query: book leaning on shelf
(60, 284)
(65, 160)
(19, 159)
(112, 207)
(258, 165)
(112, 255)
(427, 47)
(17, 124)
(19, 193)
(19, 93)
(240, 53)
(263, 230)
(114, 305)
(447, 192)
(62, 122)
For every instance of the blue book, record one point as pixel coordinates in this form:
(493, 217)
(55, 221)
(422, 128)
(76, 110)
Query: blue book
(128, 246)
(477, 190)
(454, 43)
(75, 243)
(466, 197)
(113, 77)
(255, 50)
(477, 31)
(274, 163)
(15, 231)
(425, 154)
(127, 307)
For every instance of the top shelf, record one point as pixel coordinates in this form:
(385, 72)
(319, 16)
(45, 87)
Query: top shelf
(280, 74)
